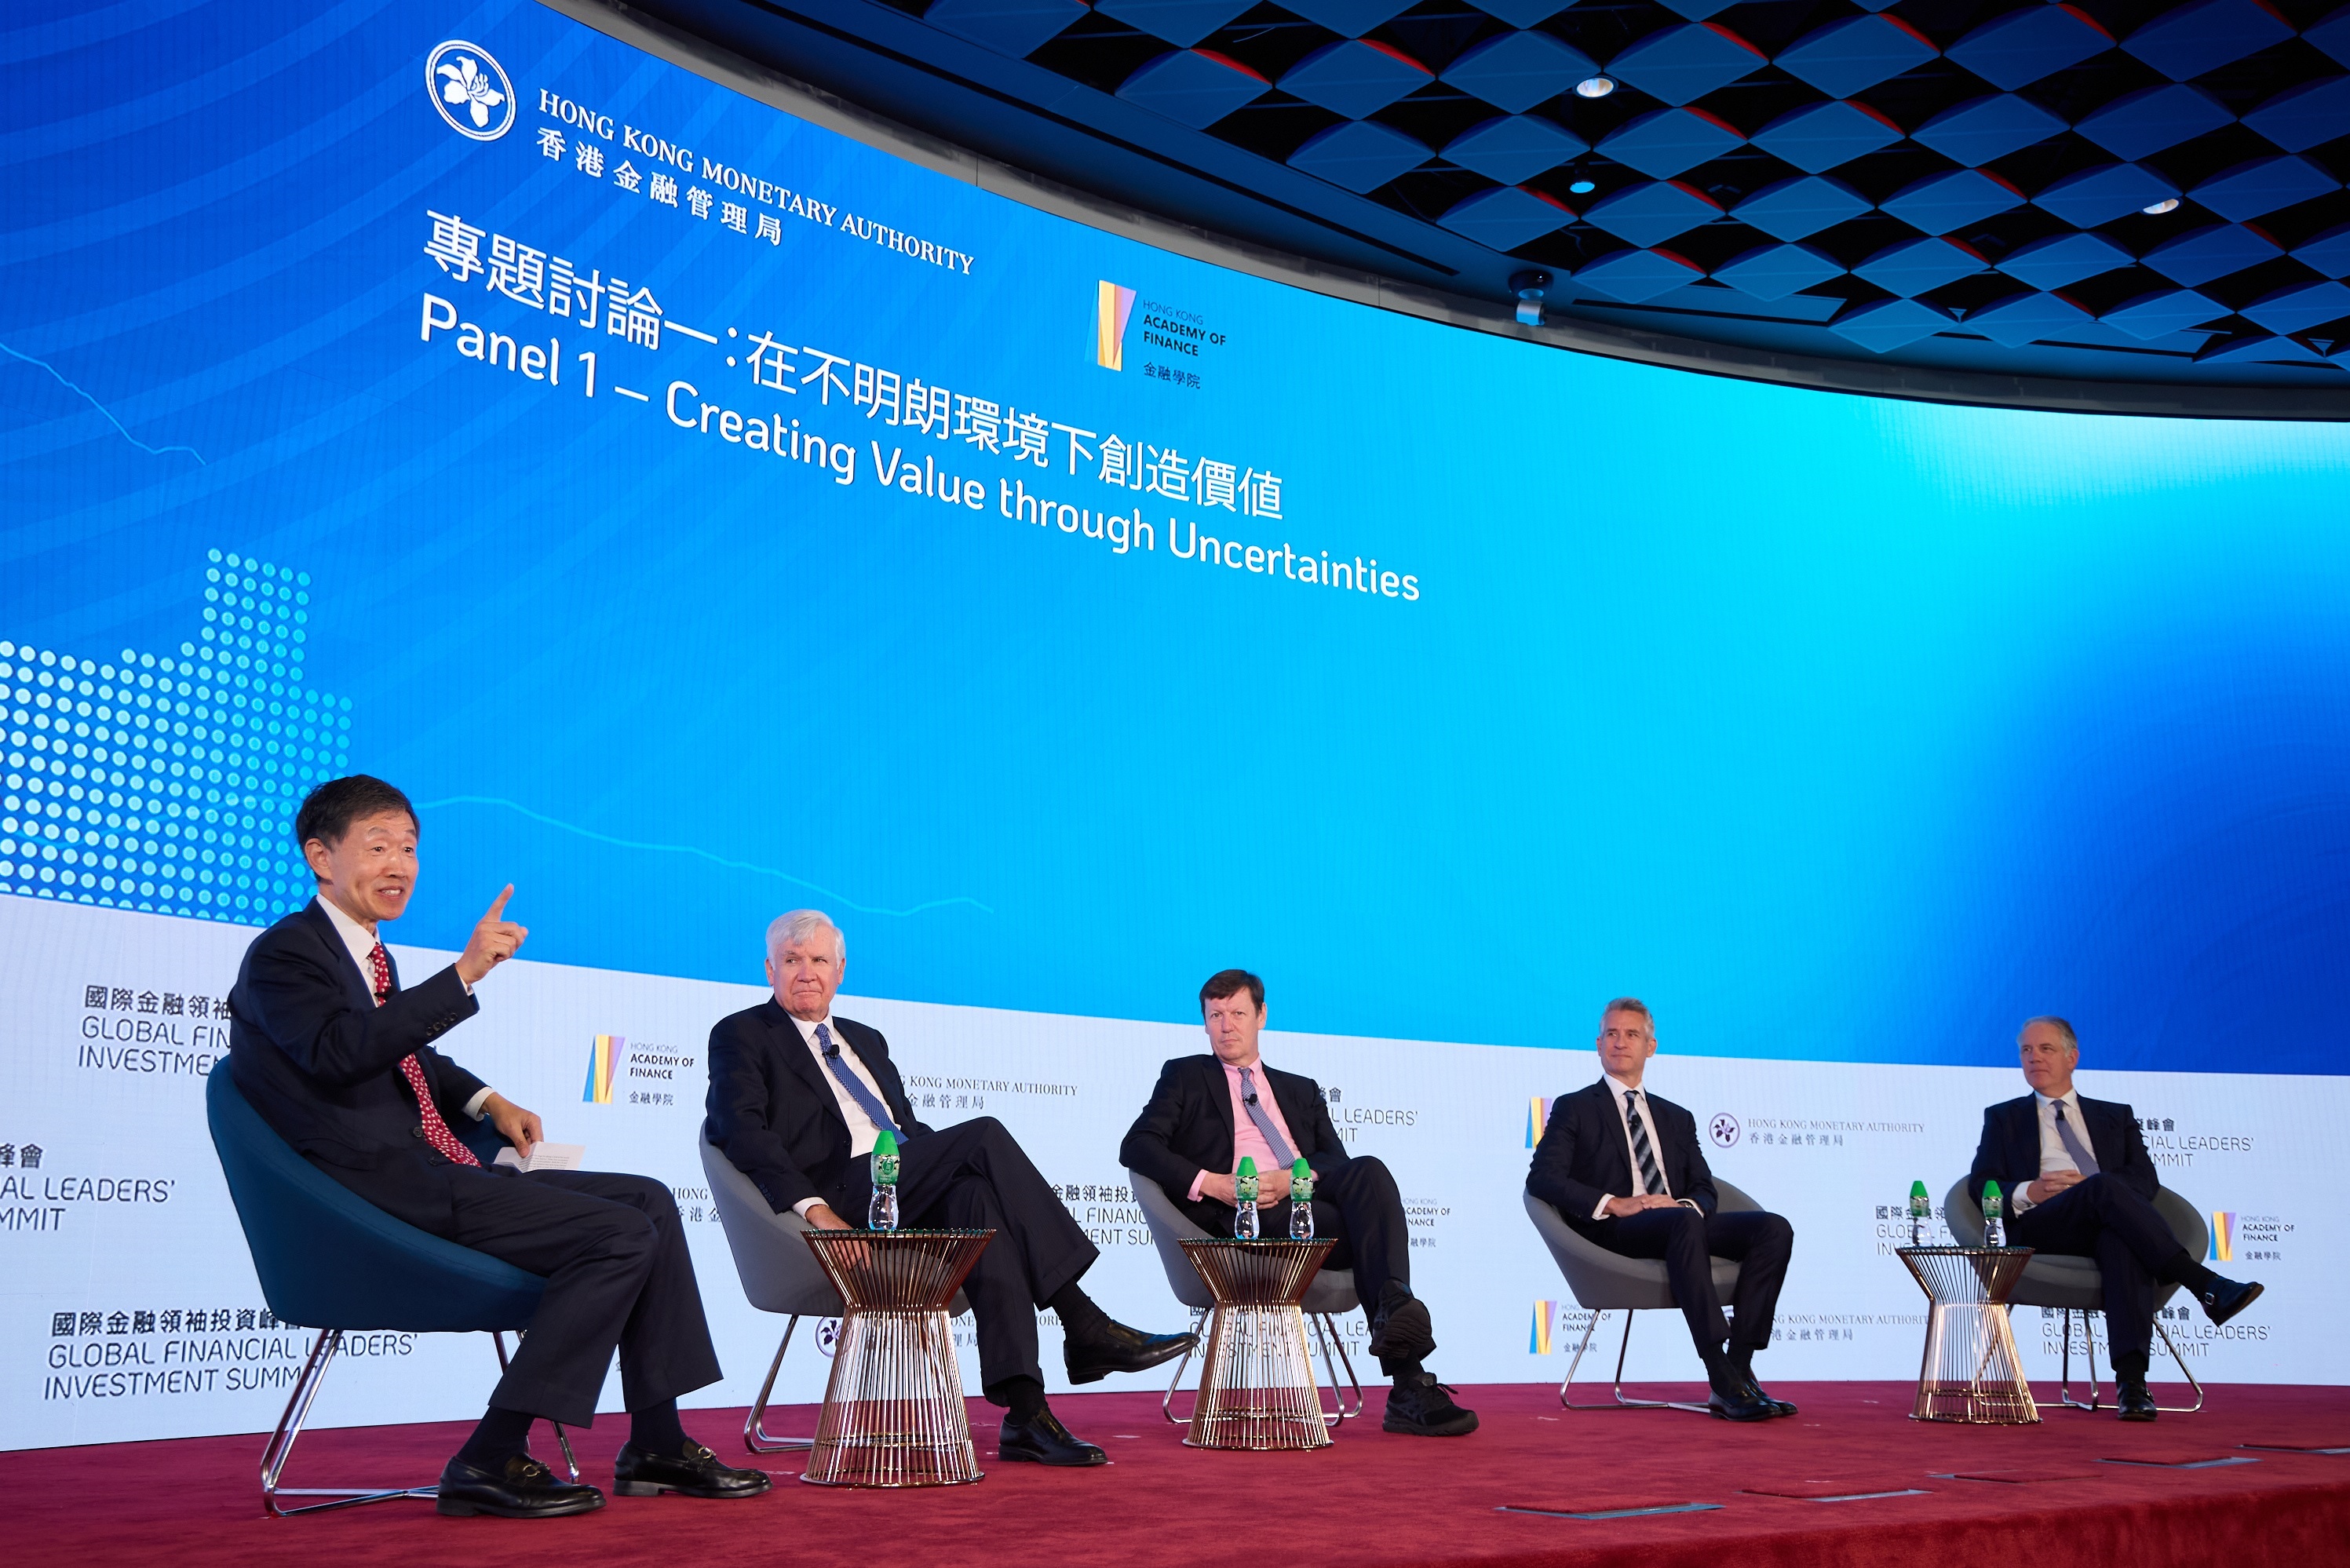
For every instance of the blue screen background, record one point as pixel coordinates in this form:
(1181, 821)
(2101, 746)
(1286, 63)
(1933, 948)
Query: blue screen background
(1837, 729)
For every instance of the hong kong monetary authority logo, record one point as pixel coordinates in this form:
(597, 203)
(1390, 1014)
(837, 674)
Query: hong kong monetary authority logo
(470, 90)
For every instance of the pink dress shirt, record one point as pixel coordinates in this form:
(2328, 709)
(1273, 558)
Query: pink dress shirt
(1246, 1140)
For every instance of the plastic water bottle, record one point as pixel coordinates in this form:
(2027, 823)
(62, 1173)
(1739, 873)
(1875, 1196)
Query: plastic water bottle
(1994, 1215)
(881, 1214)
(1921, 1210)
(1300, 1201)
(1244, 1199)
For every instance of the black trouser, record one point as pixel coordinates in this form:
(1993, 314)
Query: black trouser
(2099, 1217)
(973, 1177)
(618, 1275)
(1688, 1241)
(1355, 1205)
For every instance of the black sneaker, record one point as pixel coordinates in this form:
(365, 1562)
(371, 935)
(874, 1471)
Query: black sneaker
(1420, 1407)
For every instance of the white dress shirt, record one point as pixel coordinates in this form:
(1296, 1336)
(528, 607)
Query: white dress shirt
(2053, 1155)
(1616, 1089)
(361, 943)
(862, 1133)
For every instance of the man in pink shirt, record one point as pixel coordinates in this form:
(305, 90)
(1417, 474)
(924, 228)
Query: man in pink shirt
(1209, 1111)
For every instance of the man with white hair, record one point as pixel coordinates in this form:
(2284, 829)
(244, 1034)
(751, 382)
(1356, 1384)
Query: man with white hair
(2081, 1183)
(798, 1100)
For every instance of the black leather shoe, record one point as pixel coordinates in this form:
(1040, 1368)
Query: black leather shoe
(1735, 1398)
(1403, 1331)
(1420, 1407)
(522, 1488)
(1043, 1440)
(2137, 1404)
(694, 1471)
(1114, 1347)
(2226, 1298)
(1755, 1391)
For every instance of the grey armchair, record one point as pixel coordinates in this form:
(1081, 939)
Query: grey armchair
(1332, 1292)
(1603, 1281)
(2069, 1284)
(779, 1274)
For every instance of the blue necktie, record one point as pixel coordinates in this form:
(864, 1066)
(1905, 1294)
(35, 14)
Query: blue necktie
(1651, 1179)
(2083, 1161)
(865, 1098)
(1282, 1152)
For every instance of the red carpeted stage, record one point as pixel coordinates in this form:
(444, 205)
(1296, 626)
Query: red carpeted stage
(2240, 1483)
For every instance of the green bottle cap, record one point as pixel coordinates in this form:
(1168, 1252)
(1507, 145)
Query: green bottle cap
(886, 1145)
(1990, 1192)
(1248, 1166)
(1917, 1189)
(1301, 1171)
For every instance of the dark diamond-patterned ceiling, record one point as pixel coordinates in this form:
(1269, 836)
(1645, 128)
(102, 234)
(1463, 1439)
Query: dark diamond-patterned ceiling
(2106, 191)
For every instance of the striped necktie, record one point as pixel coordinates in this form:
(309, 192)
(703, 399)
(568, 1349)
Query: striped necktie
(1651, 1179)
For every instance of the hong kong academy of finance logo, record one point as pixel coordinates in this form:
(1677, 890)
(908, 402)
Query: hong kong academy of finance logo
(1545, 1318)
(603, 1065)
(2224, 1236)
(1112, 308)
(470, 90)
(1725, 1128)
(1537, 1119)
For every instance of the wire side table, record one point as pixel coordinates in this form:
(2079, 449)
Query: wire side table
(893, 1412)
(1256, 1381)
(1971, 1372)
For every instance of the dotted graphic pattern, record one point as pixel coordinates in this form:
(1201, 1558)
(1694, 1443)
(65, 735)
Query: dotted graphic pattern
(169, 783)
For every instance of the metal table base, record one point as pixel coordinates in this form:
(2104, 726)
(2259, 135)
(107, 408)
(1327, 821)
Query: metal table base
(1971, 1372)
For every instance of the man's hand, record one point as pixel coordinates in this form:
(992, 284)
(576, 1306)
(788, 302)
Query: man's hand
(517, 1127)
(2050, 1185)
(493, 941)
(1271, 1188)
(1624, 1207)
(821, 1216)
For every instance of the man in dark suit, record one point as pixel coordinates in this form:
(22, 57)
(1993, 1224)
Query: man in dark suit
(1625, 1168)
(2079, 1182)
(339, 1060)
(798, 1100)
(1207, 1111)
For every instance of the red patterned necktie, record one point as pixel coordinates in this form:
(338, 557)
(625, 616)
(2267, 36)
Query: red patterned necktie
(436, 1131)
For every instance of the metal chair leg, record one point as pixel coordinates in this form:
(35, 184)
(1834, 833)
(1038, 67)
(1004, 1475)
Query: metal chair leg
(280, 1447)
(756, 1438)
(2088, 1360)
(1327, 1332)
(562, 1437)
(1622, 1351)
(1166, 1400)
(2184, 1371)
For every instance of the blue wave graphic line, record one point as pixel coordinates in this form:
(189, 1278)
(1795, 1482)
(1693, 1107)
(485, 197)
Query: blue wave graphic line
(101, 407)
(841, 899)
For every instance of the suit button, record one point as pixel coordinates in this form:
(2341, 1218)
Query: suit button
(416, 1131)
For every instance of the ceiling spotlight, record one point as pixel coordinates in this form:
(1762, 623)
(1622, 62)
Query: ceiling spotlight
(1582, 187)
(2168, 204)
(1595, 87)
(1530, 286)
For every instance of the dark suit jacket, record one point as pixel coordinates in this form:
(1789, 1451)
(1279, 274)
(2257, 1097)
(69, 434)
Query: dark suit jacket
(1582, 1157)
(320, 1062)
(1187, 1127)
(2009, 1153)
(771, 1106)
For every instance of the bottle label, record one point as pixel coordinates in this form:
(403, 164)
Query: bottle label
(885, 1169)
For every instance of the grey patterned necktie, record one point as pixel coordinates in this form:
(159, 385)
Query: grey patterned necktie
(1651, 1179)
(1273, 1139)
(2083, 1161)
